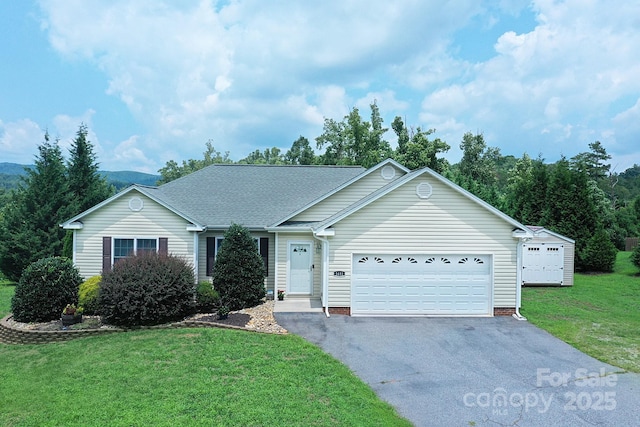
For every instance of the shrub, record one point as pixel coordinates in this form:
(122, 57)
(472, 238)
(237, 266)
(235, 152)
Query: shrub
(45, 288)
(599, 254)
(88, 295)
(207, 298)
(635, 256)
(238, 274)
(147, 289)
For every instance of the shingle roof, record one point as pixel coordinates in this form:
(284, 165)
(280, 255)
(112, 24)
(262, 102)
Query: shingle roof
(254, 196)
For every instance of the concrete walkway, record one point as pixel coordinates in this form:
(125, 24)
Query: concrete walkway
(298, 305)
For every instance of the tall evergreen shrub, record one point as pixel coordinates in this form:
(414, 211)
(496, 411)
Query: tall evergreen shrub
(238, 274)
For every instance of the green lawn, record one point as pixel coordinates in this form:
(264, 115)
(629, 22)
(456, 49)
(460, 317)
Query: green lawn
(185, 377)
(599, 315)
(6, 292)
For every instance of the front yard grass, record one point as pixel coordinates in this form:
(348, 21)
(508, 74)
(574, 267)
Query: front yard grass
(182, 377)
(6, 292)
(599, 315)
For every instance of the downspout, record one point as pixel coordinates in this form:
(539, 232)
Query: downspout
(196, 253)
(517, 314)
(325, 272)
(275, 267)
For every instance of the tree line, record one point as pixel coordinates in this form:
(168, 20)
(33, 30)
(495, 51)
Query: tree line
(580, 197)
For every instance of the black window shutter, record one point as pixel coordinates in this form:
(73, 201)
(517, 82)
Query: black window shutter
(211, 254)
(163, 246)
(106, 253)
(264, 253)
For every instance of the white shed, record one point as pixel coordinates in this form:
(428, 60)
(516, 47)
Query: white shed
(547, 259)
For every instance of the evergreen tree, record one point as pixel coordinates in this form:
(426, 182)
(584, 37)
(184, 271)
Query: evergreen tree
(238, 274)
(30, 228)
(570, 209)
(86, 186)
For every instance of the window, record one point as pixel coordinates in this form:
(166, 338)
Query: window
(124, 248)
(145, 245)
(214, 244)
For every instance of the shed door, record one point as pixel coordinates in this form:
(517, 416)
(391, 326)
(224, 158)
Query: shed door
(543, 263)
(413, 285)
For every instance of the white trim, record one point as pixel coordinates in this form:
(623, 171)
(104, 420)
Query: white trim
(546, 230)
(196, 254)
(276, 267)
(324, 274)
(346, 184)
(407, 178)
(73, 253)
(311, 256)
(140, 189)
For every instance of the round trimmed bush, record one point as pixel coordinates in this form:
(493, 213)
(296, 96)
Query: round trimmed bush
(44, 290)
(147, 289)
(88, 295)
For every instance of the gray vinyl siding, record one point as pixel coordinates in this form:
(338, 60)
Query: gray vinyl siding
(202, 255)
(282, 265)
(116, 220)
(347, 196)
(402, 223)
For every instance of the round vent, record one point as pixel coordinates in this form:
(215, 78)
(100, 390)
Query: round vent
(388, 172)
(424, 190)
(136, 204)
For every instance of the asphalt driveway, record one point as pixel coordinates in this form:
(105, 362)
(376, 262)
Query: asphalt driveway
(475, 371)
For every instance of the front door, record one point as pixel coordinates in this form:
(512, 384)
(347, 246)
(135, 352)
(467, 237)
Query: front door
(300, 268)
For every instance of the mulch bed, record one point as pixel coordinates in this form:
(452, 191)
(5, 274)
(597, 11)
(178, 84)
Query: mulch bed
(234, 319)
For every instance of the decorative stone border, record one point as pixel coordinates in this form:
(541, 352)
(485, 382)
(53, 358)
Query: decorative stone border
(11, 335)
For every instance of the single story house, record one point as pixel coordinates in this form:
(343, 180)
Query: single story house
(385, 241)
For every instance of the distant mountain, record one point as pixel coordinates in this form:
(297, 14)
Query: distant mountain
(10, 173)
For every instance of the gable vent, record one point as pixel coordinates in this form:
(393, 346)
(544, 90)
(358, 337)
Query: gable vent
(136, 204)
(388, 172)
(424, 190)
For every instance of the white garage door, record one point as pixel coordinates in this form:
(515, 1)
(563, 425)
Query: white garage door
(413, 285)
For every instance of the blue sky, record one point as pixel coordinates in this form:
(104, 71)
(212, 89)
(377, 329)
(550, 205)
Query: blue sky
(155, 80)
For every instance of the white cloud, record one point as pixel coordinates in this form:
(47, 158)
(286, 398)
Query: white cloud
(128, 155)
(250, 74)
(19, 141)
(546, 89)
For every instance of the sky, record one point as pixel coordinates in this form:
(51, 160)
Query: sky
(155, 80)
